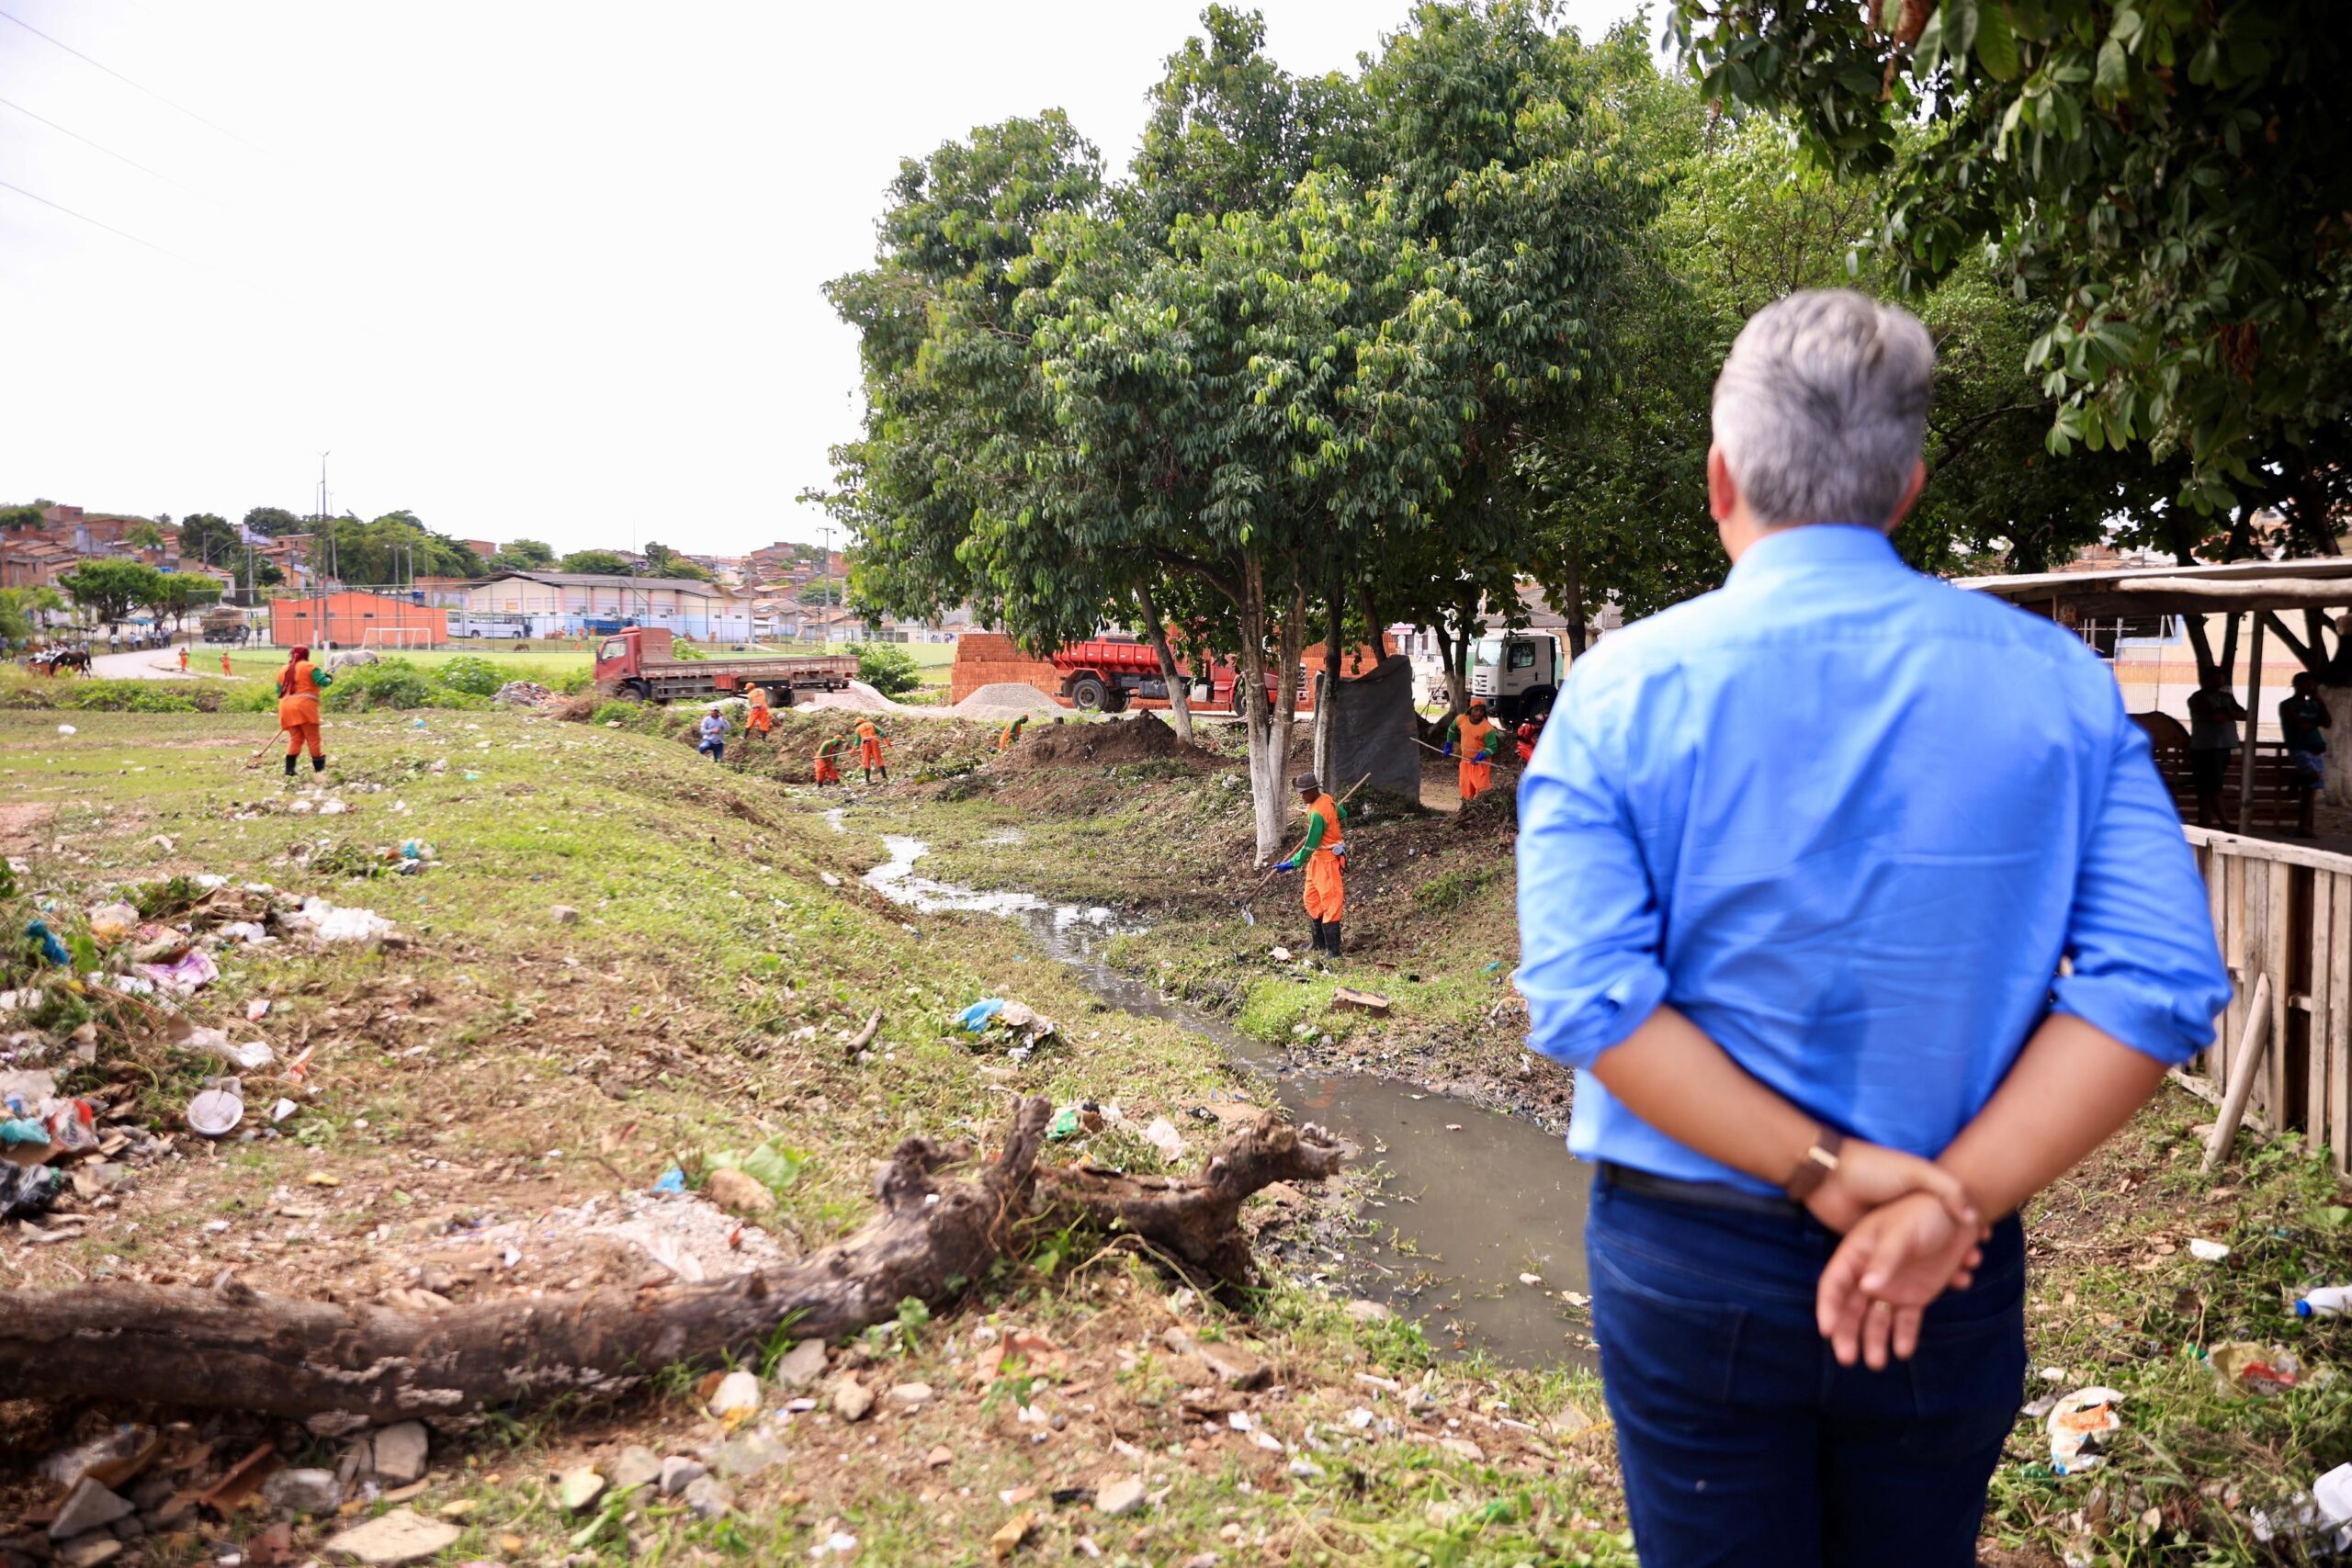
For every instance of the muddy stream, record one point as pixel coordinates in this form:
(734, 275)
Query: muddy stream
(1467, 1201)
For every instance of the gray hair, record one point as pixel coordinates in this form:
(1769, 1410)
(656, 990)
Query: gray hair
(1821, 409)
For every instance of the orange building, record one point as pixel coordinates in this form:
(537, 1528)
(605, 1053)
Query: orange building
(357, 620)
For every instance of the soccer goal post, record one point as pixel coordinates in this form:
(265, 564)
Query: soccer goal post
(397, 637)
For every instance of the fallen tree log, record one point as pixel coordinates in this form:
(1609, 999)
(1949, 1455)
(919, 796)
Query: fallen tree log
(232, 1347)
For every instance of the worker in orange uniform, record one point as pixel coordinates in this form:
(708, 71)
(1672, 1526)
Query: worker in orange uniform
(1325, 853)
(1012, 734)
(870, 736)
(759, 722)
(299, 685)
(1479, 738)
(826, 771)
(1530, 730)
(224, 661)
(183, 661)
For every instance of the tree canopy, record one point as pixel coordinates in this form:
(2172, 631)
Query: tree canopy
(110, 587)
(276, 522)
(523, 555)
(596, 563)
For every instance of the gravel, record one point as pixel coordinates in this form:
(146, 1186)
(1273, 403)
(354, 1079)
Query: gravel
(1004, 699)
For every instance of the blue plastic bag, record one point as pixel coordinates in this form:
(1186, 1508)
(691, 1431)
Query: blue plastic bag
(975, 1017)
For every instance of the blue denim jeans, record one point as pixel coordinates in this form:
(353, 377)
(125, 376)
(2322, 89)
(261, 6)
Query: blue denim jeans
(1744, 1441)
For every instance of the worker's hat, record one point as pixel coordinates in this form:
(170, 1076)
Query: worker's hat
(1305, 784)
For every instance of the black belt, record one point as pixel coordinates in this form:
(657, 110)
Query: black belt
(1700, 1194)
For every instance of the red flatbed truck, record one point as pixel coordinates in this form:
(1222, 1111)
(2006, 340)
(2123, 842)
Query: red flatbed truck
(638, 663)
(1103, 675)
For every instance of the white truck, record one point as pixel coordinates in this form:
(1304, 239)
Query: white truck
(1518, 673)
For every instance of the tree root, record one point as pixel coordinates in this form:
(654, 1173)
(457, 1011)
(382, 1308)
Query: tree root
(232, 1347)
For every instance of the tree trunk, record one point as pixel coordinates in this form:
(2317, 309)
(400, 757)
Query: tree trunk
(1330, 685)
(1573, 611)
(231, 1348)
(1180, 696)
(1268, 802)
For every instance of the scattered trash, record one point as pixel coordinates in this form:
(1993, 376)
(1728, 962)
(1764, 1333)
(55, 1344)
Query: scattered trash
(772, 1166)
(1065, 1125)
(1013, 1017)
(28, 1189)
(2330, 1301)
(50, 948)
(282, 1110)
(189, 974)
(111, 924)
(323, 923)
(672, 1180)
(2206, 1251)
(67, 729)
(733, 1398)
(1162, 1136)
(256, 1009)
(2244, 1367)
(1280, 956)
(976, 1017)
(216, 1112)
(2077, 1423)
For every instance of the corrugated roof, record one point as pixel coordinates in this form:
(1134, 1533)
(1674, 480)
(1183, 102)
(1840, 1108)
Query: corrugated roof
(590, 579)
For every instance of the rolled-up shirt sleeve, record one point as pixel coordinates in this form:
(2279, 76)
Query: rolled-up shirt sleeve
(1588, 917)
(2145, 966)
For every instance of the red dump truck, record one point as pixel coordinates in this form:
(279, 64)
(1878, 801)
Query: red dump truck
(1103, 675)
(636, 663)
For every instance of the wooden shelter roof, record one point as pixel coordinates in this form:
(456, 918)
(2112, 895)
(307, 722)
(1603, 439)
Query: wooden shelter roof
(2320, 582)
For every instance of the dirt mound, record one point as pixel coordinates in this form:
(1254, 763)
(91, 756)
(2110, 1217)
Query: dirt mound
(1143, 739)
(1496, 811)
(1005, 699)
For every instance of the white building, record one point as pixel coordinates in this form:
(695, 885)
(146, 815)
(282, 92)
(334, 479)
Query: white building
(552, 603)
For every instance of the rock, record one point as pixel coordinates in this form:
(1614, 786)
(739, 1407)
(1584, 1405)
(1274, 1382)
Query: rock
(679, 1472)
(89, 1551)
(303, 1492)
(737, 1395)
(1463, 1447)
(563, 914)
(1190, 1371)
(910, 1395)
(1120, 1497)
(87, 1507)
(709, 1498)
(852, 1399)
(461, 1507)
(1235, 1367)
(389, 1540)
(739, 1458)
(580, 1489)
(1368, 1311)
(803, 1364)
(1012, 1533)
(940, 1457)
(392, 1456)
(638, 1466)
(740, 1195)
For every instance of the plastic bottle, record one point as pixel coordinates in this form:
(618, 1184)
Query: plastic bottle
(2327, 1303)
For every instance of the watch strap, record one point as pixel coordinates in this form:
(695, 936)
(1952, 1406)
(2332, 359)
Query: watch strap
(1818, 1161)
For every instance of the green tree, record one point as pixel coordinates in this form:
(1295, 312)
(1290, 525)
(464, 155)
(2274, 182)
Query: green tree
(596, 563)
(211, 539)
(661, 560)
(109, 588)
(523, 555)
(28, 516)
(2168, 176)
(174, 593)
(21, 609)
(144, 537)
(886, 667)
(276, 522)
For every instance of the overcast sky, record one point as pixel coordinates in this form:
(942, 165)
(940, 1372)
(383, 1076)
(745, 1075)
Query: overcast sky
(526, 269)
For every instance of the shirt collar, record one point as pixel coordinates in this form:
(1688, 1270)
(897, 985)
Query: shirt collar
(1814, 546)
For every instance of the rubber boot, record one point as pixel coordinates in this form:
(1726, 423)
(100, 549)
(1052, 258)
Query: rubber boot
(1314, 935)
(1331, 938)
(289, 764)
(318, 763)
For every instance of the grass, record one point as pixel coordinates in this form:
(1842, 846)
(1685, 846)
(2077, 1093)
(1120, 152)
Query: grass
(546, 662)
(509, 1065)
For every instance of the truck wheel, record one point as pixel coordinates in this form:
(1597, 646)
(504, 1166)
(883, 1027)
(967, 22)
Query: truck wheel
(1115, 701)
(1538, 703)
(638, 690)
(1088, 693)
(1240, 700)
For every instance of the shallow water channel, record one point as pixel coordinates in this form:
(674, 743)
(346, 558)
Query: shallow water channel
(1469, 1200)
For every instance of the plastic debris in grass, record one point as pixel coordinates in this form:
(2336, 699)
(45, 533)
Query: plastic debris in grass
(2244, 1367)
(111, 924)
(323, 923)
(185, 974)
(1028, 1026)
(2077, 1423)
(770, 1165)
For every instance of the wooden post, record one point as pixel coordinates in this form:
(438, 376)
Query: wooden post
(2244, 1063)
(2253, 728)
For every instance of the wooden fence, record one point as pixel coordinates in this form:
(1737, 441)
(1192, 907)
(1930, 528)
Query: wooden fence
(2284, 912)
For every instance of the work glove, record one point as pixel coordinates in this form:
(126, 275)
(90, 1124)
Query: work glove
(1286, 866)
(1449, 748)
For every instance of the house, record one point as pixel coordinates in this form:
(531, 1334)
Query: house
(481, 547)
(558, 602)
(34, 560)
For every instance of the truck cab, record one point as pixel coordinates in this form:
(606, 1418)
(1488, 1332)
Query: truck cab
(1518, 673)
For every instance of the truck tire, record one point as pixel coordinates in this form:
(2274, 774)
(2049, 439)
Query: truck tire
(1240, 700)
(1115, 700)
(1088, 693)
(638, 690)
(1537, 703)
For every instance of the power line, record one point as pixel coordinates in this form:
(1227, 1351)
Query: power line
(127, 82)
(92, 221)
(87, 142)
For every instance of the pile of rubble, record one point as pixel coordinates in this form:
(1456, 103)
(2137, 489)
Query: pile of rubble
(527, 694)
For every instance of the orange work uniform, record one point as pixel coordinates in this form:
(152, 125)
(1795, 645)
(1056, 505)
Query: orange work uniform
(224, 661)
(1327, 889)
(760, 722)
(183, 661)
(297, 707)
(1012, 733)
(826, 772)
(869, 745)
(1477, 769)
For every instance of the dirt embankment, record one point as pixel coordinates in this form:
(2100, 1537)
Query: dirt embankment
(1143, 739)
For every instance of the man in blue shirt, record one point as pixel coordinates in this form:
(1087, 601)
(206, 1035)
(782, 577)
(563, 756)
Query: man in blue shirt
(1801, 864)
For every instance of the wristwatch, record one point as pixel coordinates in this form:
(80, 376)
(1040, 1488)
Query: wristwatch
(1814, 1169)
